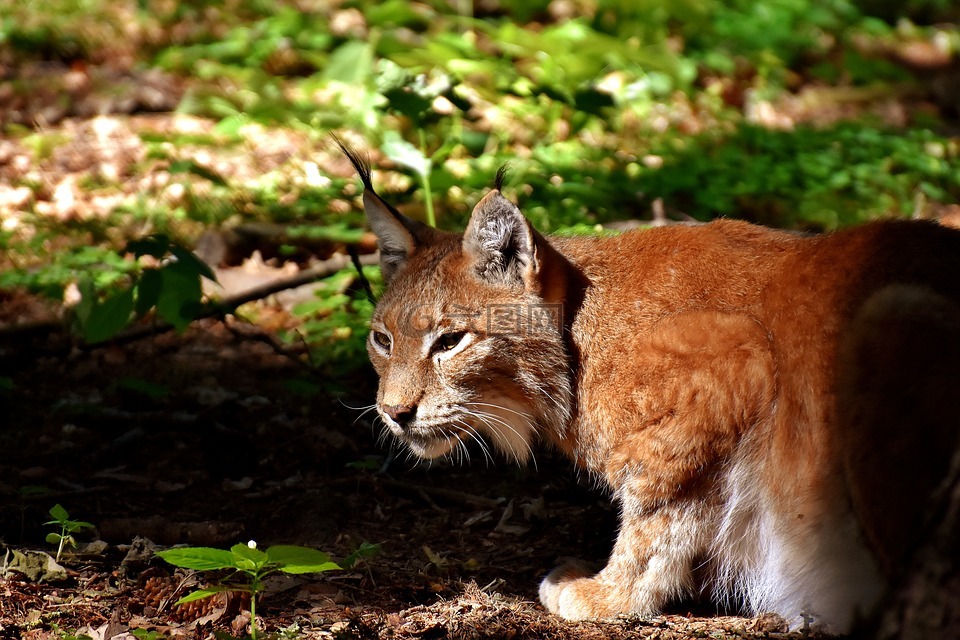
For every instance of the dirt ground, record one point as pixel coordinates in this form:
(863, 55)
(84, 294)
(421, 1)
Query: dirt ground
(209, 439)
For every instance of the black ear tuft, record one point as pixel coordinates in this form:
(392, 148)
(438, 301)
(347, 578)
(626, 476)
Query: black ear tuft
(397, 235)
(500, 243)
(501, 176)
(359, 161)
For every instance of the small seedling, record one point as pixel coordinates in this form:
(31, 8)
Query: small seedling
(67, 526)
(247, 559)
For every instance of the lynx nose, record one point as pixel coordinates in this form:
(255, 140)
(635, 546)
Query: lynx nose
(402, 414)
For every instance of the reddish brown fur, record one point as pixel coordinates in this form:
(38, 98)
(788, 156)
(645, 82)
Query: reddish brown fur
(775, 403)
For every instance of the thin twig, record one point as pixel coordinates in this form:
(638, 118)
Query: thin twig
(451, 495)
(260, 335)
(357, 264)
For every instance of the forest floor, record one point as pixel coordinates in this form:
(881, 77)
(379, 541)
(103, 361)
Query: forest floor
(215, 437)
(206, 439)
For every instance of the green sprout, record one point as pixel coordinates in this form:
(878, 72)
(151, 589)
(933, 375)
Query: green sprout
(67, 528)
(256, 564)
(417, 160)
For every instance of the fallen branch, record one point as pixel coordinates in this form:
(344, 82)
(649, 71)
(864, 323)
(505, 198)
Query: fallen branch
(322, 270)
(216, 308)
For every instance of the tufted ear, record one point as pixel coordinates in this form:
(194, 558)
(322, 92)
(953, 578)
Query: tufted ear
(397, 235)
(501, 244)
(394, 238)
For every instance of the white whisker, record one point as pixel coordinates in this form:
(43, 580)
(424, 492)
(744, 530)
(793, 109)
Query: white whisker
(475, 436)
(365, 411)
(522, 414)
(490, 420)
(496, 426)
(461, 449)
(365, 406)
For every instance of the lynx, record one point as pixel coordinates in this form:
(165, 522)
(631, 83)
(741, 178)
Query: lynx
(769, 410)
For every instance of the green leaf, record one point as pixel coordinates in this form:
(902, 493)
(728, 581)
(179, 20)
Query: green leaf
(592, 100)
(190, 261)
(351, 63)
(148, 290)
(58, 513)
(311, 568)
(53, 538)
(107, 318)
(231, 125)
(248, 558)
(392, 13)
(321, 305)
(366, 550)
(76, 525)
(191, 167)
(408, 102)
(405, 154)
(390, 76)
(294, 559)
(180, 294)
(206, 592)
(88, 297)
(155, 245)
(199, 558)
(302, 387)
(151, 390)
(33, 490)
(334, 232)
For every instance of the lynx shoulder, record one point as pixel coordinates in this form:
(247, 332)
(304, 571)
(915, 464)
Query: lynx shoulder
(771, 407)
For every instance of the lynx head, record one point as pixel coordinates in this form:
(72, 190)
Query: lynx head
(468, 337)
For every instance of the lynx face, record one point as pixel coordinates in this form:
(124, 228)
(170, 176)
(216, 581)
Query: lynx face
(466, 347)
(457, 364)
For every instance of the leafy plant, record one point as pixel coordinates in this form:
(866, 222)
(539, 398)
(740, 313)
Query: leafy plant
(410, 157)
(815, 178)
(63, 634)
(102, 265)
(334, 324)
(173, 289)
(67, 526)
(253, 563)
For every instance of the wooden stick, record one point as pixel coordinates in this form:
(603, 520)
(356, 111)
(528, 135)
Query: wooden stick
(212, 309)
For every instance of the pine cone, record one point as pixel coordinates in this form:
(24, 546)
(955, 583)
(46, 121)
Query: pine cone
(160, 593)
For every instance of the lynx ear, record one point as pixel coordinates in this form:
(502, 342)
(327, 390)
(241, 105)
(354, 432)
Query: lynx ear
(501, 243)
(396, 242)
(397, 235)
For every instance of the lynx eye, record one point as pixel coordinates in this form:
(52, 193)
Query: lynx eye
(448, 341)
(381, 339)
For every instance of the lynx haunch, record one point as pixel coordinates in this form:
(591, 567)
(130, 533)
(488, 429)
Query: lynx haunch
(769, 410)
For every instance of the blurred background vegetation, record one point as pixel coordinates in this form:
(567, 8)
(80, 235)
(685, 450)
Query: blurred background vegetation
(124, 119)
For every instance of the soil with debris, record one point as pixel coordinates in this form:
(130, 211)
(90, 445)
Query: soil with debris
(209, 439)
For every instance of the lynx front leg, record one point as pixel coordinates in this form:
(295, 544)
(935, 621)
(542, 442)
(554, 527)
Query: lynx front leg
(650, 564)
(696, 383)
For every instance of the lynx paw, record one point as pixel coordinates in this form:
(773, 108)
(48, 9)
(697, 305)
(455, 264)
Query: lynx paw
(569, 593)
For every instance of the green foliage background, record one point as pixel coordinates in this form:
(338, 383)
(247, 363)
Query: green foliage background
(600, 107)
